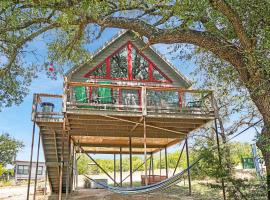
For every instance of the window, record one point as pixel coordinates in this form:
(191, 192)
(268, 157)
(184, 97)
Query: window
(127, 63)
(118, 64)
(23, 169)
(40, 170)
(99, 71)
(139, 66)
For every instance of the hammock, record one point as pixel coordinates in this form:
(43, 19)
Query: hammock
(148, 188)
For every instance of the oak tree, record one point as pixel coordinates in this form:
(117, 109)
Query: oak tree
(235, 32)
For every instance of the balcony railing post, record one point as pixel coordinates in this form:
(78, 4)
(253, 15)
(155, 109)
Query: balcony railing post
(34, 106)
(64, 100)
(144, 101)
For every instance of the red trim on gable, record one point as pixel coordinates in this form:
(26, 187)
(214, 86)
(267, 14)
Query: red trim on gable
(108, 69)
(129, 45)
(129, 60)
(164, 75)
(150, 71)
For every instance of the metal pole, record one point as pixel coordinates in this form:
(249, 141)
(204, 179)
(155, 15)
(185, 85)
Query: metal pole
(166, 162)
(61, 168)
(32, 147)
(35, 185)
(114, 166)
(73, 167)
(219, 157)
(101, 168)
(121, 167)
(76, 171)
(145, 154)
(135, 169)
(130, 161)
(188, 170)
(152, 163)
(68, 165)
(45, 184)
(160, 162)
(179, 158)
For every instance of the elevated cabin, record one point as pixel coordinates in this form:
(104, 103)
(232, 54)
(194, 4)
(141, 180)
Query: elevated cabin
(128, 99)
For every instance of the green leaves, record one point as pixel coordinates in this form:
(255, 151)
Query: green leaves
(9, 147)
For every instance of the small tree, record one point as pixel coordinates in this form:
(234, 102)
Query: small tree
(9, 148)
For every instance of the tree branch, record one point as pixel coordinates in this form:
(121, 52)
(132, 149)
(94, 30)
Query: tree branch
(232, 16)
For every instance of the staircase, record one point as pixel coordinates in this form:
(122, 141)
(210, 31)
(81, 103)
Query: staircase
(52, 145)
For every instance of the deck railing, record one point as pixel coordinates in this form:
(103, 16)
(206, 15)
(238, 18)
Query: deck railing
(136, 99)
(47, 106)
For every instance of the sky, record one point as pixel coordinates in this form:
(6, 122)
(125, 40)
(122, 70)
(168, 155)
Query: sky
(16, 120)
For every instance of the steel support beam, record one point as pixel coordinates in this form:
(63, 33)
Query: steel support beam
(121, 177)
(145, 154)
(152, 163)
(135, 169)
(36, 173)
(130, 161)
(179, 158)
(166, 162)
(219, 158)
(114, 168)
(188, 170)
(102, 169)
(31, 158)
(160, 162)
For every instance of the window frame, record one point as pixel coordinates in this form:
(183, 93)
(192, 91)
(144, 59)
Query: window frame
(23, 170)
(129, 45)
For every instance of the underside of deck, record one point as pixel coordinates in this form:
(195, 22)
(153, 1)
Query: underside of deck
(105, 134)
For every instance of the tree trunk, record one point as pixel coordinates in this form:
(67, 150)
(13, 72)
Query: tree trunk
(260, 95)
(263, 144)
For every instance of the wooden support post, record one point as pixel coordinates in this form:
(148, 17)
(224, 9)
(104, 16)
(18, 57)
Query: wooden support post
(220, 161)
(130, 161)
(188, 170)
(36, 173)
(145, 154)
(121, 167)
(166, 162)
(32, 145)
(114, 168)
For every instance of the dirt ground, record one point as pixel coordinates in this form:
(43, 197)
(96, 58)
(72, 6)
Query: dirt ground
(174, 193)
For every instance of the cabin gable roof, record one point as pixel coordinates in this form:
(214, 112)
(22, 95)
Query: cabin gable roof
(77, 73)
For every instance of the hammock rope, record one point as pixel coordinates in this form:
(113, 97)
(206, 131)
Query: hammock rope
(173, 180)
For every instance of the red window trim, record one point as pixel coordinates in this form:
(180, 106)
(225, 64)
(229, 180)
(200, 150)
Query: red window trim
(129, 60)
(129, 46)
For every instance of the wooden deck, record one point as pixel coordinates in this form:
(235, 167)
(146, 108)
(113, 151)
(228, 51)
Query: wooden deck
(104, 128)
